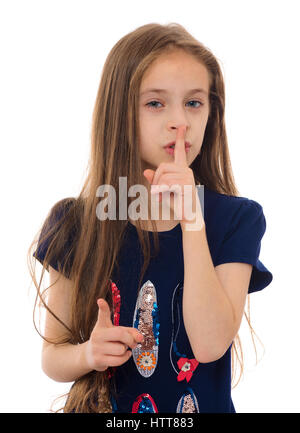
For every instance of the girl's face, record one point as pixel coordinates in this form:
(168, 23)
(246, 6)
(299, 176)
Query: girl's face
(161, 113)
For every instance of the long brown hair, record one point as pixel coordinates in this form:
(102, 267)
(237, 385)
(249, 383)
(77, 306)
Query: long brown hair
(93, 246)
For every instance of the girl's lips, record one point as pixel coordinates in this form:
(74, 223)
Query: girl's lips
(172, 143)
(170, 150)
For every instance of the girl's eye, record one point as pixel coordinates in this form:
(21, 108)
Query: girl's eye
(197, 102)
(152, 102)
(156, 102)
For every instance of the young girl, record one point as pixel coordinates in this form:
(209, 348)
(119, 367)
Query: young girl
(143, 314)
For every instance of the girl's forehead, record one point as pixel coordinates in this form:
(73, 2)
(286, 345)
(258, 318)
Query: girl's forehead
(163, 76)
(173, 60)
(176, 59)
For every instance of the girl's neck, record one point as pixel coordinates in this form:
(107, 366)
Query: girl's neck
(161, 225)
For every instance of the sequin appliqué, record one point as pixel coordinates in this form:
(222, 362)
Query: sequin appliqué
(146, 320)
(144, 403)
(116, 317)
(188, 402)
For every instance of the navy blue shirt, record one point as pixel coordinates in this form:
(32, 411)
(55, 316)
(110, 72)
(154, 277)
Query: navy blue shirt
(162, 375)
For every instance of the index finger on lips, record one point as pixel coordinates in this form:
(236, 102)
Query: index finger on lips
(179, 150)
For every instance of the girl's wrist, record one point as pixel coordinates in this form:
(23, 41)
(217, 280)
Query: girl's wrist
(195, 224)
(87, 362)
(84, 356)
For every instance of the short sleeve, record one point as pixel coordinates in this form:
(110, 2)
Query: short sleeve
(63, 242)
(242, 243)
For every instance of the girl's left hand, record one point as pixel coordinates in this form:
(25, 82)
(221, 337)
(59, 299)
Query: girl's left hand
(173, 177)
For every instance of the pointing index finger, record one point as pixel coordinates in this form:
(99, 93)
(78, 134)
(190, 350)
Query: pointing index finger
(104, 318)
(179, 151)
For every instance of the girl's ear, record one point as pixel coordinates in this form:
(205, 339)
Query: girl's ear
(149, 175)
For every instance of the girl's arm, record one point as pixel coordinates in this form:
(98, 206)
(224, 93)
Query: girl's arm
(61, 362)
(213, 298)
(65, 363)
(108, 345)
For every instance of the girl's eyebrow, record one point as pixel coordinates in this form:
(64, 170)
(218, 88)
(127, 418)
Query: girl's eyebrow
(165, 91)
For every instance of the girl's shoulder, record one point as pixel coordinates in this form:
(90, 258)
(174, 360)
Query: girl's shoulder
(59, 232)
(222, 211)
(61, 208)
(226, 202)
(235, 227)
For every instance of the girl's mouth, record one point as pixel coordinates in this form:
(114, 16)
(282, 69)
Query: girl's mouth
(170, 150)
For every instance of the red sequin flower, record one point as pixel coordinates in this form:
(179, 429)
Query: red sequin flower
(187, 368)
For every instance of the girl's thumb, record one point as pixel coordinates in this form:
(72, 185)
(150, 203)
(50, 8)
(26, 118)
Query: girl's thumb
(149, 175)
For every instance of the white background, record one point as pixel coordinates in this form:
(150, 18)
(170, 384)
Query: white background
(52, 54)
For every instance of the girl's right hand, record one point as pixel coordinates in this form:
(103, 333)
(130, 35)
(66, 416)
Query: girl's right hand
(108, 344)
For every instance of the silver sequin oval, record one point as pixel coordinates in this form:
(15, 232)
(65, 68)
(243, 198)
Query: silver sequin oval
(145, 355)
